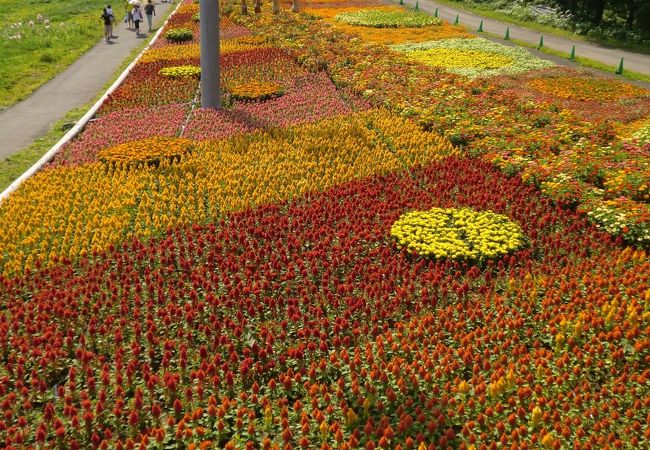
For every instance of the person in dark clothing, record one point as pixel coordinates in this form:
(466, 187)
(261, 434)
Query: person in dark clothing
(108, 21)
(109, 11)
(149, 11)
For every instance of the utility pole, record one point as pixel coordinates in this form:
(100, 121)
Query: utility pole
(210, 74)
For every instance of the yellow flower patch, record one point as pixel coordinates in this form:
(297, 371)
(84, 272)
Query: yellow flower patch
(188, 8)
(585, 89)
(451, 58)
(71, 212)
(629, 130)
(457, 233)
(256, 91)
(145, 151)
(172, 52)
(180, 71)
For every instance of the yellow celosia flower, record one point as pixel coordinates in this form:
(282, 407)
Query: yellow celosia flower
(537, 416)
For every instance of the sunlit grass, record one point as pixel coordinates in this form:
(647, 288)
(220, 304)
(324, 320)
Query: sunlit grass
(39, 39)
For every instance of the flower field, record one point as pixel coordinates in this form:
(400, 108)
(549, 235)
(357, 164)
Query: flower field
(369, 246)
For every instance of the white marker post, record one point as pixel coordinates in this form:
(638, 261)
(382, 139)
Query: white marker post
(210, 82)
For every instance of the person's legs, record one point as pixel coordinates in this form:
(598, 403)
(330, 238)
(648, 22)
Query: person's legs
(149, 20)
(107, 32)
(137, 27)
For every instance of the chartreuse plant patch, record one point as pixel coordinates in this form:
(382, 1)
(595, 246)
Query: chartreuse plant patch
(179, 35)
(642, 135)
(180, 71)
(378, 18)
(473, 57)
(457, 234)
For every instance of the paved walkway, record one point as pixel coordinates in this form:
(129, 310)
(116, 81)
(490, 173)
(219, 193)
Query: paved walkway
(31, 119)
(634, 62)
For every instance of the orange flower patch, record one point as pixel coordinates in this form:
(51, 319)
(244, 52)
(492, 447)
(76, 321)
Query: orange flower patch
(586, 89)
(389, 36)
(146, 151)
(256, 91)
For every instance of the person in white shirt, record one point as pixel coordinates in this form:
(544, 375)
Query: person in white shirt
(137, 18)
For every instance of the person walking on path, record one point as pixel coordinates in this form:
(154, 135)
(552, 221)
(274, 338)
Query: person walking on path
(109, 11)
(150, 11)
(137, 18)
(128, 14)
(107, 18)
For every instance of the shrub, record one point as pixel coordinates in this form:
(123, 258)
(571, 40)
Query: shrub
(179, 35)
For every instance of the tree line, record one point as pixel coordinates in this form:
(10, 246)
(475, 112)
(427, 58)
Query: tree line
(635, 13)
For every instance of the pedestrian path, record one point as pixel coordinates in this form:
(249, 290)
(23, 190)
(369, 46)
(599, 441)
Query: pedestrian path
(31, 119)
(634, 62)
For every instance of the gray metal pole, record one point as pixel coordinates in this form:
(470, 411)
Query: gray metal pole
(210, 89)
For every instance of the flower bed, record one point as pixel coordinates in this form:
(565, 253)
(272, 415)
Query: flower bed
(120, 127)
(256, 91)
(449, 340)
(180, 71)
(382, 18)
(597, 89)
(148, 152)
(234, 282)
(473, 57)
(122, 203)
(457, 234)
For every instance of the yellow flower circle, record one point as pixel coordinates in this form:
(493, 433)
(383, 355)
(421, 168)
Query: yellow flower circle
(449, 57)
(457, 233)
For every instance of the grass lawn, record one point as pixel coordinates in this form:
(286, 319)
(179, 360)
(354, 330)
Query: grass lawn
(16, 164)
(39, 38)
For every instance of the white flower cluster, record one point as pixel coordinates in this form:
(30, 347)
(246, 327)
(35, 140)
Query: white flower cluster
(15, 30)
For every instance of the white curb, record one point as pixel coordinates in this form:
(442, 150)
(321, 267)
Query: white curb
(80, 125)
